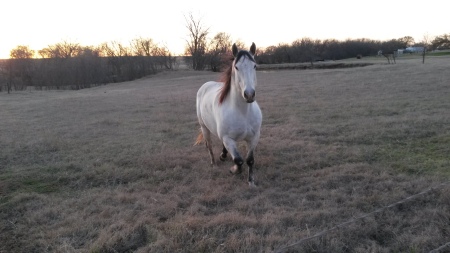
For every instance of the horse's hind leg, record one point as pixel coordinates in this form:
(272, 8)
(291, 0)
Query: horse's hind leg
(223, 156)
(207, 135)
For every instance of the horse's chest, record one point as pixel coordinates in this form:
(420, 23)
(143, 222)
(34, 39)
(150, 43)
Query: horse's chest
(239, 128)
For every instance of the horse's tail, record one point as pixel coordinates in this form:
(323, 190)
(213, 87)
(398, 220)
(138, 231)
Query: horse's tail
(199, 139)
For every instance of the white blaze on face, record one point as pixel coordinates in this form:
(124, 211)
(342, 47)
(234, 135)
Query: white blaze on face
(245, 71)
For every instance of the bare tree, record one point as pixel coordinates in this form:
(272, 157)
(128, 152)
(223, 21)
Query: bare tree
(240, 44)
(152, 52)
(426, 40)
(10, 75)
(115, 49)
(219, 48)
(305, 50)
(20, 67)
(164, 57)
(64, 49)
(69, 65)
(143, 47)
(196, 44)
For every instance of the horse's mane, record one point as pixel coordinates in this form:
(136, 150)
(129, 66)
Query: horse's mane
(226, 79)
(226, 75)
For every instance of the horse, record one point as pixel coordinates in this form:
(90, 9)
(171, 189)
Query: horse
(228, 110)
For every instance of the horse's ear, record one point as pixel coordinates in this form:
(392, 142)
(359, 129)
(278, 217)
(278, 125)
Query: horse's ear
(235, 50)
(253, 48)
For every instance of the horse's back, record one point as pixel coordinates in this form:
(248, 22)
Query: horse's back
(207, 90)
(206, 100)
(207, 94)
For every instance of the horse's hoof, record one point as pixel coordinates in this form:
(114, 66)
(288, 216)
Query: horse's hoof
(251, 184)
(236, 170)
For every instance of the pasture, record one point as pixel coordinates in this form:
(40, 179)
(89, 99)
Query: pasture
(114, 169)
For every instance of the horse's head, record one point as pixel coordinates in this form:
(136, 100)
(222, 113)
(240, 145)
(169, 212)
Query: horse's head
(244, 71)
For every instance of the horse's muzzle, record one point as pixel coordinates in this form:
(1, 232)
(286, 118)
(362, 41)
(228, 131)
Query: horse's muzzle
(250, 96)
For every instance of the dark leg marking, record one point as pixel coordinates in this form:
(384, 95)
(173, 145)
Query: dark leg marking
(223, 156)
(237, 168)
(250, 161)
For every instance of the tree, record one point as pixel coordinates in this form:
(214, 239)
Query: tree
(114, 49)
(219, 49)
(64, 49)
(19, 66)
(21, 52)
(441, 42)
(116, 53)
(89, 51)
(163, 57)
(267, 55)
(152, 52)
(407, 41)
(196, 44)
(143, 47)
(389, 48)
(426, 40)
(282, 53)
(240, 44)
(332, 49)
(305, 50)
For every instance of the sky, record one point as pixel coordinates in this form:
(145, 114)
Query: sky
(38, 24)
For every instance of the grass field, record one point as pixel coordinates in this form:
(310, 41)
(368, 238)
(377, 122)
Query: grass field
(440, 53)
(113, 168)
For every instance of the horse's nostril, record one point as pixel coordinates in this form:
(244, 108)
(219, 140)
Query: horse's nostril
(249, 94)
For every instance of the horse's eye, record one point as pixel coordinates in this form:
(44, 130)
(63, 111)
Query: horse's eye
(236, 68)
(254, 67)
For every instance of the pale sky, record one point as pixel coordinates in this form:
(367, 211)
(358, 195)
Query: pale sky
(38, 24)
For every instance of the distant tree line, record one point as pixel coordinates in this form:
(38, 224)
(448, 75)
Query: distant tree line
(441, 42)
(70, 65)
(213, 53)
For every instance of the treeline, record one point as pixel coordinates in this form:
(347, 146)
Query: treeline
(309, 50)
(214, 53)
(69, 65)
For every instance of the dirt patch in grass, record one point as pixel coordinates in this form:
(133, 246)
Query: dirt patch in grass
(113, 169)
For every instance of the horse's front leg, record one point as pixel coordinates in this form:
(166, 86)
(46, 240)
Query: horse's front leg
(251, 145)
(250, 161)
(230, 145)
(237, 167)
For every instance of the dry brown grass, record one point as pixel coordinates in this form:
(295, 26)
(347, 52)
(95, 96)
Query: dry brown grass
(113, 169)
